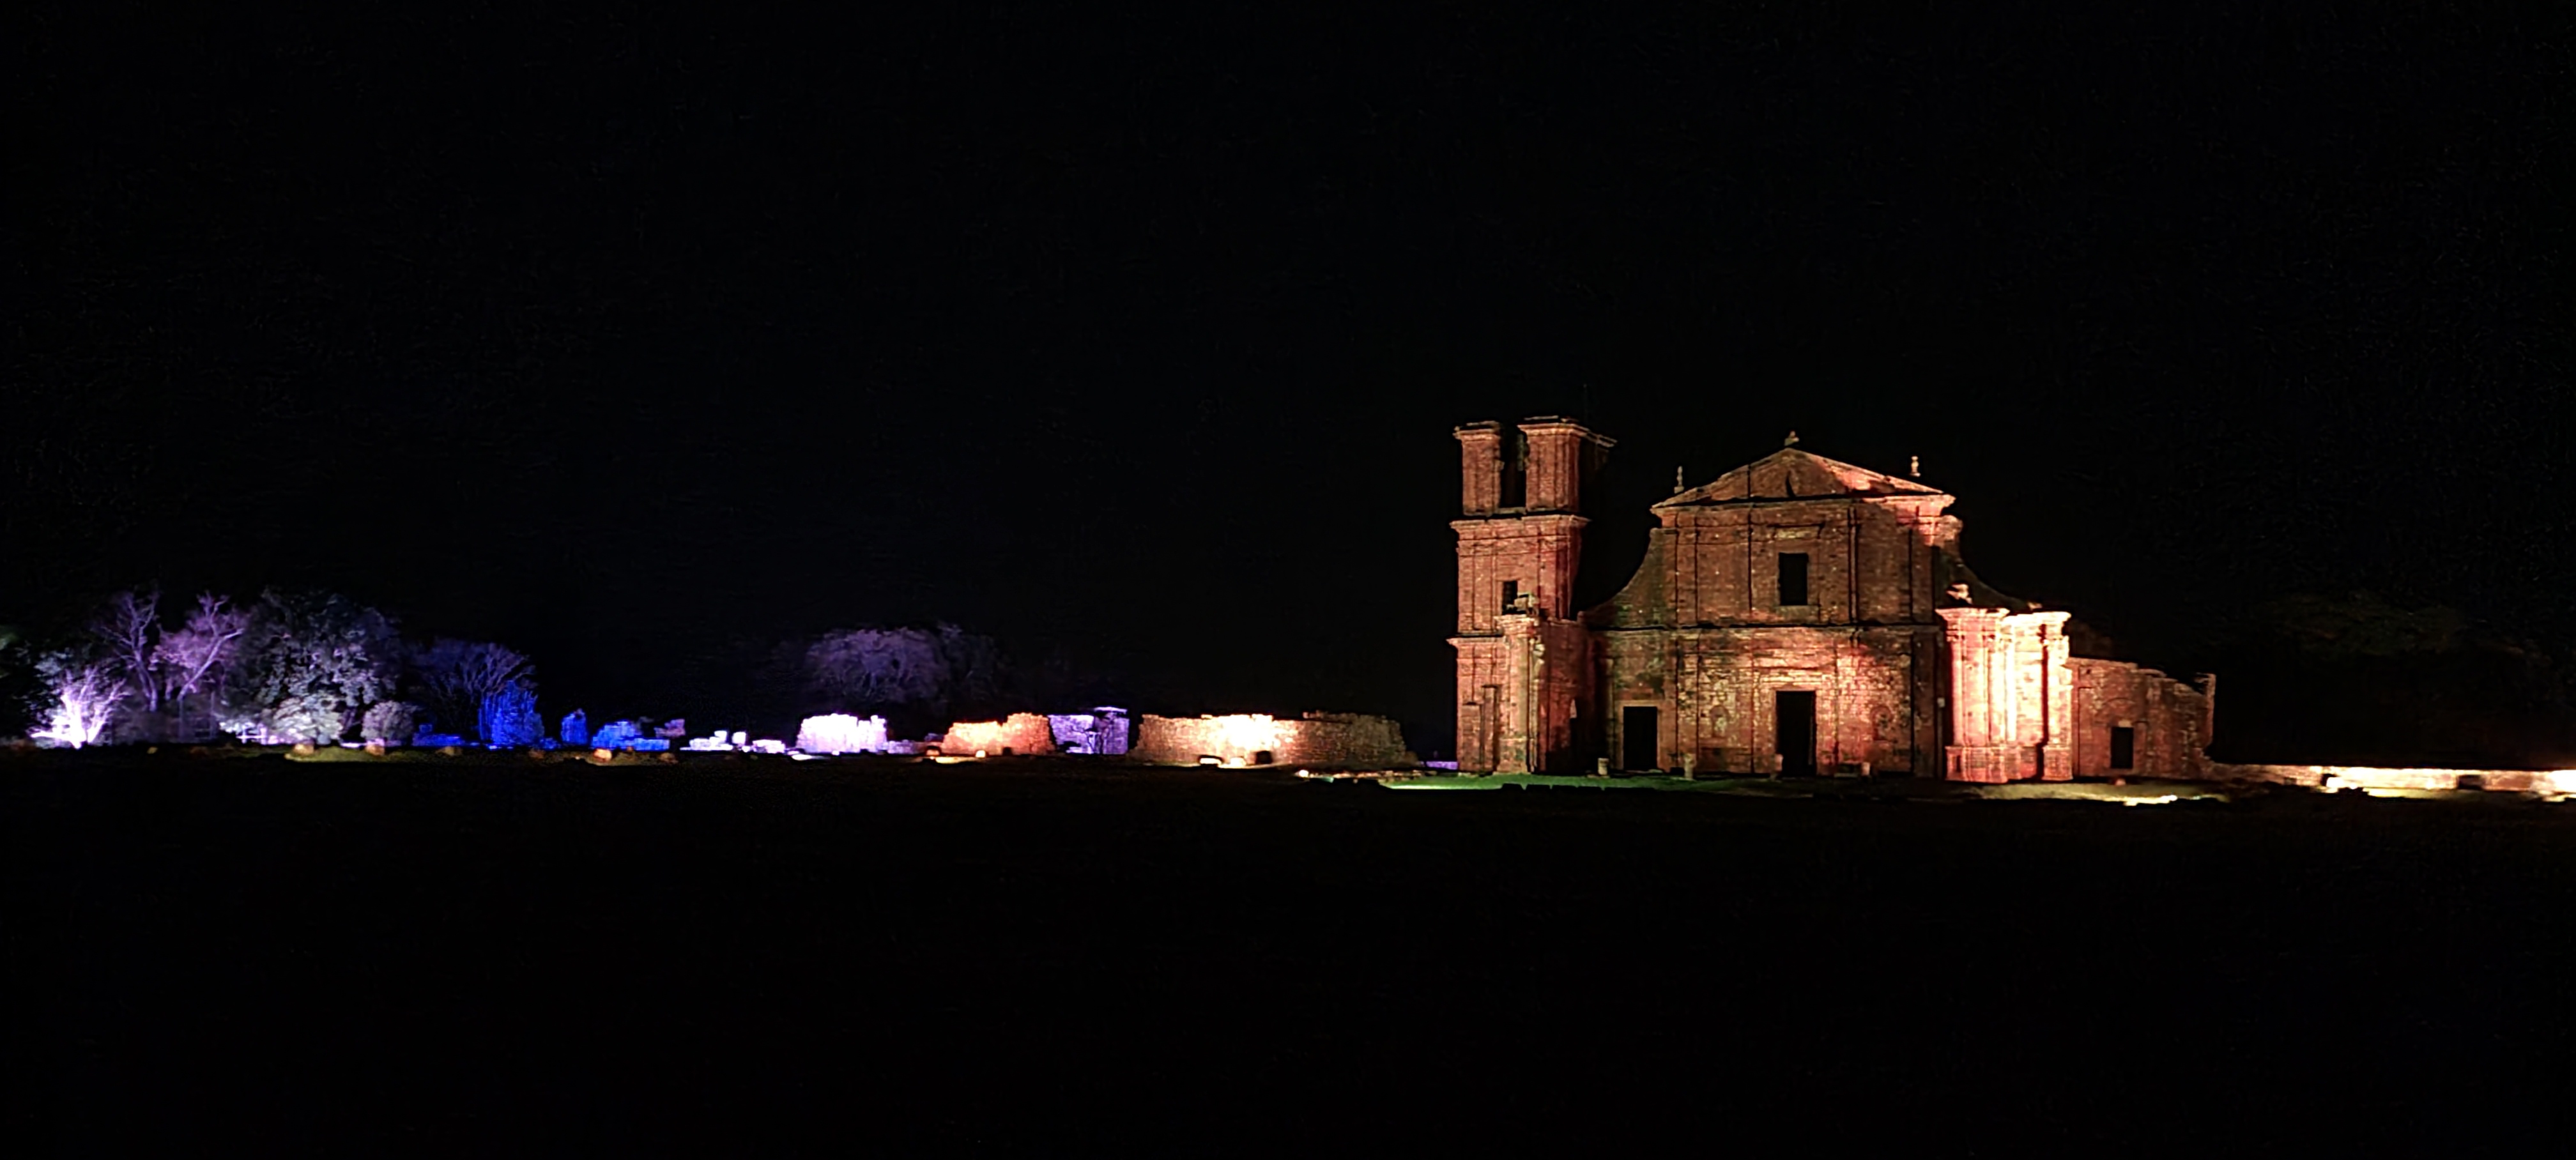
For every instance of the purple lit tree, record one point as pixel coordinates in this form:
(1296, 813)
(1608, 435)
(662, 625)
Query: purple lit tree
(81, 697)
(194, 659)
(914, 668)
(321, 658)
(388, 721)
(129, 629)
(878, 666)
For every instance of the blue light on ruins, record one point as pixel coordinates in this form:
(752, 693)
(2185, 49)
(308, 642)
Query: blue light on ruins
(510, 717)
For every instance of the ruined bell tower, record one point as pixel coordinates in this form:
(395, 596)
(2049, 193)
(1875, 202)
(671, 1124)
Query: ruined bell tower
(1524, 663)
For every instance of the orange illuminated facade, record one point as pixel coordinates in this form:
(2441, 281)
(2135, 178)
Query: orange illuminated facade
(1796, 615)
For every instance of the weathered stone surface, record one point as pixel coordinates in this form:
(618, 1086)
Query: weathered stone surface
(2556, 783)
(1326, 740)
(2169, 721)
(1021, 733)
(838, 733)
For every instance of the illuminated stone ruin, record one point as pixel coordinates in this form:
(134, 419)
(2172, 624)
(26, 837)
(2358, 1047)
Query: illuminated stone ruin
(1317, 740)
(617, 735)
(840, 733)
(2557, 784)
(1100, 732)
(1019, 734)
(576, 729)
(1796, 615)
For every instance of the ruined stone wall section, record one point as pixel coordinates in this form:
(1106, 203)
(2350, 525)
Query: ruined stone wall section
(2012, 696)
(1716, 692)
(2166, 717)
(1346, 741)
(1646, 601)
(1536, 553)
(1480, 463)
(1868, 561)
(1557, 454)
(1547, 668)
(1020, 734)
(1480, 694)
(1317, 740)
(2558, 783)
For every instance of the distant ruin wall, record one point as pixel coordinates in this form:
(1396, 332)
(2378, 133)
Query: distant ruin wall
(1021, 733)
(2540, 781)
(1329, 740)
(841, 733)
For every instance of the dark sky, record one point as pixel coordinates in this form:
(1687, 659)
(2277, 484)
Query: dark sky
(641, 342)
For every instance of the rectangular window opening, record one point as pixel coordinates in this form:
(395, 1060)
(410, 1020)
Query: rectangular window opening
(1511, 594)
(2124, 747)
(1793, 579)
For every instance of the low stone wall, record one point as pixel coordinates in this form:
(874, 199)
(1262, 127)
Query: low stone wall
(2542, 781)
(841, 733)
(1328, 740)
(1021, 733)
(2169, 721)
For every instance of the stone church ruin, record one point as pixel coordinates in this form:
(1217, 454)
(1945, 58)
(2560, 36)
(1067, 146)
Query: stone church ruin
(1795, 615)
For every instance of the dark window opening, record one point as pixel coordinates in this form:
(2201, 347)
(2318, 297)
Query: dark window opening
(1511, 594)
(1263, 757)
(1793, 578)
(1515, 457)
(1637, 737)
(1795, 729)
(2124, 747)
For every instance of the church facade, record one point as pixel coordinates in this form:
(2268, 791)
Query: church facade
(1797, 615)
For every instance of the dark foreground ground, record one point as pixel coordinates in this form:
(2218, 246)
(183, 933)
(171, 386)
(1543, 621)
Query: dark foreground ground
(256, 957)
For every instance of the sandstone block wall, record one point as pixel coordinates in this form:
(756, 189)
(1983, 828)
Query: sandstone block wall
(2168, 721)
(1867, 560)
(1328, 740)
(1021, 733)
(2540, 781)
(1716, 692)
(2012, 696)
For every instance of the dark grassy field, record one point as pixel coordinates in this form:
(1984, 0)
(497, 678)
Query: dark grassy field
(742, 957)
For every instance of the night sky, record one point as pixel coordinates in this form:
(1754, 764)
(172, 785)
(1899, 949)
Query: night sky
(1136, 341)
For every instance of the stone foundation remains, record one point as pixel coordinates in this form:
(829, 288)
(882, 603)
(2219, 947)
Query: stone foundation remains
(1019, 734)
(1327, 740)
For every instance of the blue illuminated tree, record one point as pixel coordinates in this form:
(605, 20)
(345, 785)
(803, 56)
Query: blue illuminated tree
(510, 716)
